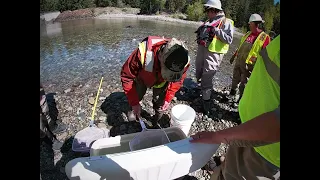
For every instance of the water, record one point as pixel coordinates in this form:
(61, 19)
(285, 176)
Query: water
(80, 50)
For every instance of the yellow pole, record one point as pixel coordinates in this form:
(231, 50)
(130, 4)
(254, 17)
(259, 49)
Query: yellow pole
(96, 101)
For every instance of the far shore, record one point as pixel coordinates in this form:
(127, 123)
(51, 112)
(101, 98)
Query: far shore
(112, 12)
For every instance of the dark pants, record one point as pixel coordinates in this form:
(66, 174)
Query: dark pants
(157, 97)
(47, 117)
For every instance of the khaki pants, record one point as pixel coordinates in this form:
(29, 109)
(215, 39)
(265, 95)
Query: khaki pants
(241, 70)
(207, 64)
(241, 74)
(245, 163)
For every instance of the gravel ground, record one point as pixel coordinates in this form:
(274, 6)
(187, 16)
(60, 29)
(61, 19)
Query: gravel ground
(75, 109)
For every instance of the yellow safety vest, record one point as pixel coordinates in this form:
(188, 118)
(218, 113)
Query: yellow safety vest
(262, 94)
(217, 45)
(256, 47)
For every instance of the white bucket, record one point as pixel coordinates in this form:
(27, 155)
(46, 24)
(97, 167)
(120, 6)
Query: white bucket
(182, 116)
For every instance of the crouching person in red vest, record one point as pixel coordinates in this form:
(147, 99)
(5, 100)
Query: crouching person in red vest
(160, 64)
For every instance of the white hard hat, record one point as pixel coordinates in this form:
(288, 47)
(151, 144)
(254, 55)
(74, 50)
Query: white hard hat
(255, 17)
(213, 4)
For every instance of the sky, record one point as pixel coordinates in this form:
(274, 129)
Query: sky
(275, 1)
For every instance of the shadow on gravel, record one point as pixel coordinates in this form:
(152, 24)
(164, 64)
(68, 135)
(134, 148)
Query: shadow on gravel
(116, 107)
(221, 107)
(48, 170)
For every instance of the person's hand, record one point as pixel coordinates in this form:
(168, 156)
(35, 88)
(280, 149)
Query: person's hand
(136, 110)
(205, 137)
(165, 106)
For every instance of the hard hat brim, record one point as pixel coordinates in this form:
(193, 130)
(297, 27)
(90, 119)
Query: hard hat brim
(256, 21)
(208, 5)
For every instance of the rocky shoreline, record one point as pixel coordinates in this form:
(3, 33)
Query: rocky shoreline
(75, 106)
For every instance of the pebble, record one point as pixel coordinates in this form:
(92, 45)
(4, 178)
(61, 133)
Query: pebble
(102, 118)
(91, 100)
(67, 90)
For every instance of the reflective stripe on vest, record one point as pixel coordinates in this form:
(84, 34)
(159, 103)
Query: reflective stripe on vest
(147, 57)
(146, 53)
(256, 47)
(272, 69)
(216, 44)
(262, 94)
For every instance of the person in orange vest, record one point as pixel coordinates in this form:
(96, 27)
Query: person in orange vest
(254, 145)
(246, 55)
(213, 38)
(158, 63)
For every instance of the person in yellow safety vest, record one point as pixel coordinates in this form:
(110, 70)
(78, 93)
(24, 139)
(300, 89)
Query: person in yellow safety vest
(254, 151)
(213, 38)
(250, 45)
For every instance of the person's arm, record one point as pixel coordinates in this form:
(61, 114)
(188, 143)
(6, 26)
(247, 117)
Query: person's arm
(173, 87)
(225, 34)
(129, 72)
(262, 130)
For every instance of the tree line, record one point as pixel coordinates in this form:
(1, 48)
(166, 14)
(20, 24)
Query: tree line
(237, 10)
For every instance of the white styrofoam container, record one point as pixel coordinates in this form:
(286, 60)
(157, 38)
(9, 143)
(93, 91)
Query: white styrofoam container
(165, 162)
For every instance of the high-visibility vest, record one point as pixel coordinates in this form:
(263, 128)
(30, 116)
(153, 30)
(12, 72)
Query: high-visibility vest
(256, 47)
(262, 94)
(216, 44)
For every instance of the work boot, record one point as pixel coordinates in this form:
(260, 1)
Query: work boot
(232, 92)
(58, 128)
(206, 104)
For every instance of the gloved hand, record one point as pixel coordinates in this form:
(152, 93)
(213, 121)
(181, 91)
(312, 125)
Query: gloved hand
(136, 110)
(165, 105)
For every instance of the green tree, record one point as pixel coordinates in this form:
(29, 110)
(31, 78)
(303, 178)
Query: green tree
(75, 4)
(268, 17)
(49, 5)
(103, 3)
(150, 6)
(276, 19)
(195, 11)
(133, 3)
